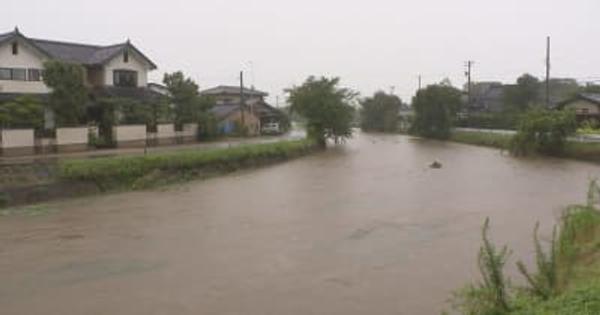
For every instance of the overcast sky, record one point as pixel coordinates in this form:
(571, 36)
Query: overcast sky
(370, 44)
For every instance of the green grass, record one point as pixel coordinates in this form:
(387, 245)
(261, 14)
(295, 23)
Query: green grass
(31, 211)
(573, 150)
(579, 272)
(487, 139)
(583, 151)
(131, 172)
(577, 290)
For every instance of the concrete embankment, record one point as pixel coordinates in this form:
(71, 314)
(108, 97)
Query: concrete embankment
(32, 183)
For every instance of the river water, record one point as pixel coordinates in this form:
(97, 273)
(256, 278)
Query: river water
(363, 228)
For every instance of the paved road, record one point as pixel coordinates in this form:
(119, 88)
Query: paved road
(578, 138)
(229, 142)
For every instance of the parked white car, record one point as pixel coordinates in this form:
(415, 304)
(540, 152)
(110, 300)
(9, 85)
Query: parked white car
(270, 128)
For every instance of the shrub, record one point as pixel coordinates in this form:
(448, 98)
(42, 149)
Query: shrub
(208, 126)
(22, 112)
(488, 121)
(543, 131)
(490, 296)
(566, 281)
(544, 283)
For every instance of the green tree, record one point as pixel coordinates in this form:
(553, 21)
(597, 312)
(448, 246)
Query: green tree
(69, 94)
(186, 98)
(132, 111)
(326, 108)
(591, 88)
(524, 95)
(208, 126)
(543, 131)
(435, 108)
(380, 112)
(22, 112)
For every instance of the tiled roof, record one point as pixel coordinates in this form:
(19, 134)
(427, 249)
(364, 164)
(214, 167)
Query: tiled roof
(5, 36)
(261, 109)
(141, 94)
(222, 111)
(592, 97)
(75, 52)
(232, 90)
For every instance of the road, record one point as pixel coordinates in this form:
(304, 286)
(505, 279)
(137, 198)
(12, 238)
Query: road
(591, 138)
(223, 143)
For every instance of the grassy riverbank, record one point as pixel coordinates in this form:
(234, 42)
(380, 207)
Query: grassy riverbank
(134, 172)
(573, 150)
(565, 279)
(73, 178)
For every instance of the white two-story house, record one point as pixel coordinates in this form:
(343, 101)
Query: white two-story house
(114, 70)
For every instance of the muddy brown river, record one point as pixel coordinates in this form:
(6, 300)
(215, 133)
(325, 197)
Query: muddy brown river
(364, 228)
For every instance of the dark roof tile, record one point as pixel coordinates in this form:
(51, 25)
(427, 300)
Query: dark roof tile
(77, 53)
(232, 90)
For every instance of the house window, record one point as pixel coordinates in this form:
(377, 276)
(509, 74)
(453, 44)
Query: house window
(125, 78)
(15, 48)
(15, 74)
(19, 74)
(34, 75)
(126, 56)
(5, 74)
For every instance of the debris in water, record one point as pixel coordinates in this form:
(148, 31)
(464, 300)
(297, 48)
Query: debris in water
(436, 164)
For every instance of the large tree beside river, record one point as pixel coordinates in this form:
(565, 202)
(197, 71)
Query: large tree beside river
(435, 108)
(380, 112)
(325, 106)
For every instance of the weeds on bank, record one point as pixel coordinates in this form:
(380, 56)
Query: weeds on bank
(141, 171)
(567, 276)
(31, 211)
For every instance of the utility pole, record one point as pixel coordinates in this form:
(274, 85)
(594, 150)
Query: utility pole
(469, 65)
(419, 83)
(548, 72)
(242, 98)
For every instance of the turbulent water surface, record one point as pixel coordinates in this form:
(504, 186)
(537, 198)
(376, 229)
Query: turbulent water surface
(364, 228)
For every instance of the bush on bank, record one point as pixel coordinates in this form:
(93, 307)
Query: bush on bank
(566, 279)
(139, 171)
(543, 131)
(489, 121)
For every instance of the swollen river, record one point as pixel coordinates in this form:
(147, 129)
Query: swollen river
(363, 228)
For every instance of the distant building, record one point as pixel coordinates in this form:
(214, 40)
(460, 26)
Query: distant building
(228, 108)
(487, 97)
(560, 89)
(159, 88)
(119, 70)
(586, 106)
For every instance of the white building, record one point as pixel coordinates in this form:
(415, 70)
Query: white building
(107, 68)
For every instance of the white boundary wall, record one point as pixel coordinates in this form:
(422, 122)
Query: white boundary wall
(189, 130)
(166, 131)
(17, 138)
(69, 136)
(130, 133)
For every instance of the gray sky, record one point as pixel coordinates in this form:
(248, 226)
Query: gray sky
(370, 44)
